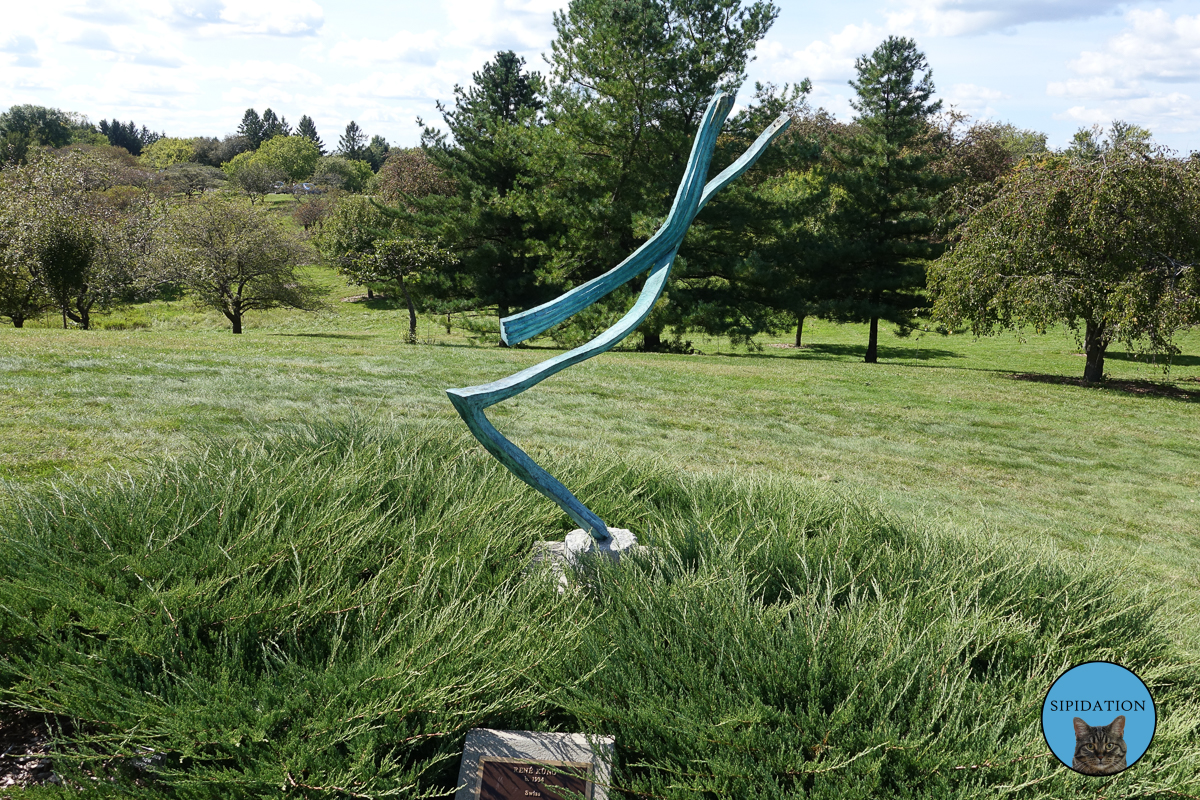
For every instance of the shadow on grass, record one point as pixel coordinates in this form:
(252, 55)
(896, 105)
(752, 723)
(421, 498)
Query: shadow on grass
(330, 335)
(1145, 388)
(830, 352)
(1142, 358)
(380, 302)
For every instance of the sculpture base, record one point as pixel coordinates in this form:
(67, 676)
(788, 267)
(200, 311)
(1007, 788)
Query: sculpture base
(560, 555)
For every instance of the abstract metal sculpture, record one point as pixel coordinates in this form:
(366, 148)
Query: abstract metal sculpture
(657, 255)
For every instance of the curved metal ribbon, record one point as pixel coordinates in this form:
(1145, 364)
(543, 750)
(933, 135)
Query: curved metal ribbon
(657, 255)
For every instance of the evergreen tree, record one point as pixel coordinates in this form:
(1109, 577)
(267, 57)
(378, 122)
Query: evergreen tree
(252, 128)
(308, 129)
(128, 135)
(883, 226)
(750, 259)
(491, 220)
(376, 152)
(353, 143)
(633, 80)
(274, 125)
(502, 92)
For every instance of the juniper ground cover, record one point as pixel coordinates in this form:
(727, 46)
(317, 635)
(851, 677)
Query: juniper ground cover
(328, 613)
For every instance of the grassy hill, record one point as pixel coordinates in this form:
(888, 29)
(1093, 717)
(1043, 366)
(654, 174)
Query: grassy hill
(896, 558)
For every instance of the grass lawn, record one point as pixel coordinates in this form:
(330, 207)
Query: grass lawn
(940, 430)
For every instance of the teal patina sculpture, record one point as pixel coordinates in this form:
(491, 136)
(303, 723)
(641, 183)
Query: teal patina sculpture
(656, 255)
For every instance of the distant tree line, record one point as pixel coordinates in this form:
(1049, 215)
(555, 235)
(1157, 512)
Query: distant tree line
(909, 214)
(84, 229)
(350, 166)
(537, 184)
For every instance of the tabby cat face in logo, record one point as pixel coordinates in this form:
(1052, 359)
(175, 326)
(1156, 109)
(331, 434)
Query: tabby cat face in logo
(1099, 750)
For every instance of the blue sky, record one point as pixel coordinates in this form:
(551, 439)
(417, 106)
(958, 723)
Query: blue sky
(192, 67)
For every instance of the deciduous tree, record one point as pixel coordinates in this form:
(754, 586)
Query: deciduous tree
(1106, 242)
(399, 261)
(167, 151)
(294, 156)
(335, 172)
(409, 173)
(254, 177)
(236, 257)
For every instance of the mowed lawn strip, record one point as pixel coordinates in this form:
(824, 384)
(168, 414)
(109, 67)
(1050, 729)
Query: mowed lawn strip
(940, 429)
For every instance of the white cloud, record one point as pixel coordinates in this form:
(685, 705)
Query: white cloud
(408, 85)
(520, 25)
(1154, 47)
(247, 17)
(975, 100)
(126, 45)
(1129, 77)
(966, 17)
(22, 49)
(404, 46)
(92, 39)
(831, 59)
(99, 11)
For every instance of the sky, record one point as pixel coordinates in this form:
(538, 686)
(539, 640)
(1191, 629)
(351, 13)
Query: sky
(192, 67)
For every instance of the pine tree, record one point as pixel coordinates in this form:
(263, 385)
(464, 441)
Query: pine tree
(883, 227)
(308, 129)
(632, 80)
(499, 239)
(127, 135)
(376, 152)
(252, 128)
(353, 143)
(274, 125)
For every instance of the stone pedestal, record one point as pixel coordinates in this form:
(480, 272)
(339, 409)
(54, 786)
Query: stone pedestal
(560, 555)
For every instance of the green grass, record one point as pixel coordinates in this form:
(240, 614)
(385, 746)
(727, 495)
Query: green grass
(329, 612)
(1029, 524)
(940, 430)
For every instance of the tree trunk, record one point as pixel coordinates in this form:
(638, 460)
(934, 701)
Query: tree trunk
(447, 322)
(651, 341)
(18, 322)
(872, 356)
(501, 313)
(1094, 344)
(236, 319)
(799, 328)
(370, 294)
(412, 313)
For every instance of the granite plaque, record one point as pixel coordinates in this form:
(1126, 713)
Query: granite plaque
(507, 765)
(508, 779)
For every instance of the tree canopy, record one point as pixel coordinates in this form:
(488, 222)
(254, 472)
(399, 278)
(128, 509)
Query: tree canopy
(352, 143)
(308, 129)
(885, 191)
(294, 156)
(236, 257)
(1108, 245)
